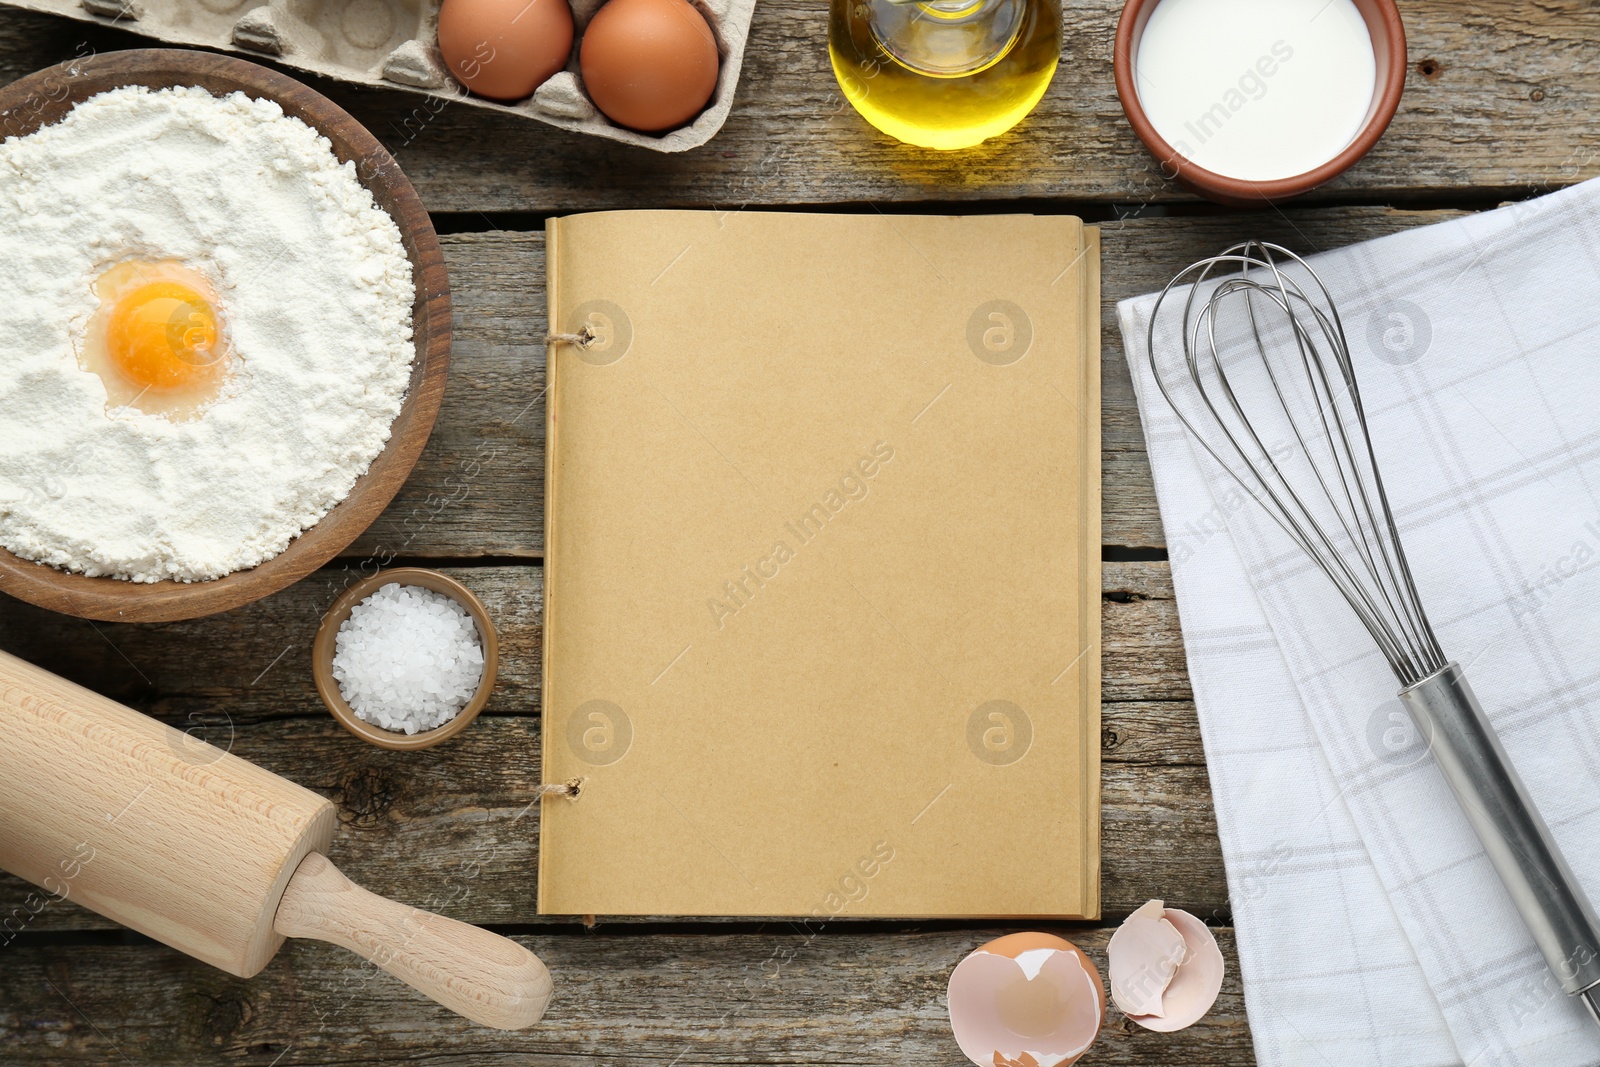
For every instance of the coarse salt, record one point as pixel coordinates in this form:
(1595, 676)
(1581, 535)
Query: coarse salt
(408, 658)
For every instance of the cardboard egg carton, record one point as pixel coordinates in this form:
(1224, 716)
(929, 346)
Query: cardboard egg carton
(394, 44)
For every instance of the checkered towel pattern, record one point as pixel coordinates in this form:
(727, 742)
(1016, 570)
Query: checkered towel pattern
(1371, 928)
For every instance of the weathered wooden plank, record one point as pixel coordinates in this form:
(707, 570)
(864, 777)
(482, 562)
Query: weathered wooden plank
(1155, 733)
(478, 490)
(456, 829)
(778, 995)
(1495, 93)
(452, 825)
(1141, 656)
(253, 664)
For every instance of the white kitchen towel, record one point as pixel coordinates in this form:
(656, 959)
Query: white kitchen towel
(1371, 926)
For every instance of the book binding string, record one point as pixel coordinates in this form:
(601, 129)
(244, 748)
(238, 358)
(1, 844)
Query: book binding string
(569, 789)
(572, 787)
(583, 338)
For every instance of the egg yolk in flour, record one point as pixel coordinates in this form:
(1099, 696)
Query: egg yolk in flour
(157, 340)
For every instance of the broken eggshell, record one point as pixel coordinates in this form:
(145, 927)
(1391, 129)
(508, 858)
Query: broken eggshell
(1166, 968)
(1026, 1000)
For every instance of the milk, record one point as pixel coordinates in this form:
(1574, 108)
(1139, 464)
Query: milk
(1256, 89)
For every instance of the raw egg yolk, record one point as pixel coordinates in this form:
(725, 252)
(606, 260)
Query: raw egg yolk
(163, 335)
(159, 339)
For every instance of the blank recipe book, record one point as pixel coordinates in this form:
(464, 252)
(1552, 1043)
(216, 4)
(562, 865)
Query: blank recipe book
(823, 566)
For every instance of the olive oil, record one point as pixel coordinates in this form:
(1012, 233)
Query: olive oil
(944, 73)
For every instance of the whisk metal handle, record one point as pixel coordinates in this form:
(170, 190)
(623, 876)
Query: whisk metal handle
(1495, 801)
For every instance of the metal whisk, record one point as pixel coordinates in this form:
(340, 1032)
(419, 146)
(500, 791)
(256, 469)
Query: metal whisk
(1271, 394)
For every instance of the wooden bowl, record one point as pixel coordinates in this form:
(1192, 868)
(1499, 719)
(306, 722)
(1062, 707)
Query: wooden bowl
(1389, 49)
(322, 650)
(45, 98)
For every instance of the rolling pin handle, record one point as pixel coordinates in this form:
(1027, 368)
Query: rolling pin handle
(475, 973)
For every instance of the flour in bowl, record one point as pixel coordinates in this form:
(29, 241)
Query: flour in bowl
(231, 227)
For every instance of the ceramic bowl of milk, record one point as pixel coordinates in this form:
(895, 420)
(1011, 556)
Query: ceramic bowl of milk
(1252, 101)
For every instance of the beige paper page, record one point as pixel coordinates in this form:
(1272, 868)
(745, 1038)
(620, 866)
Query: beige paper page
(823, 566)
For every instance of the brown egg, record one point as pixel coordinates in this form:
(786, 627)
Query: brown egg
(649, 64)
(504, 49)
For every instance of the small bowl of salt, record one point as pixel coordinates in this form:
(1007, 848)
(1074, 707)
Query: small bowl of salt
(406, 659)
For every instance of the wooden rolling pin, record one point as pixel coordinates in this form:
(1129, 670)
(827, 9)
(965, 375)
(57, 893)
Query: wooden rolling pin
(212, 855)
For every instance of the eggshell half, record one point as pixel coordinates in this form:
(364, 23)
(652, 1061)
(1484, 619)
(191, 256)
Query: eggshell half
(1155, 985)
(1144, 953)
(1026, 1000)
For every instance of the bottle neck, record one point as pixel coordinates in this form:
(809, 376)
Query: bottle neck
(946, 38)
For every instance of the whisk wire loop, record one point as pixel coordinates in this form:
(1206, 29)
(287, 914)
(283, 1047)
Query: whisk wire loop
(1277, 406)
(1279, 409)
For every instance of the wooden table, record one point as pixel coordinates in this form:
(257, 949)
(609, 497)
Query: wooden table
(1498, 105)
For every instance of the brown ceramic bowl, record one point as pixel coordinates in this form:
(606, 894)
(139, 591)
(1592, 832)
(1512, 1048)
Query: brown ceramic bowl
(44, 98)
(1389, 48)
(322, 650)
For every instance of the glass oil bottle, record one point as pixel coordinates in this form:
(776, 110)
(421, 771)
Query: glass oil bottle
(944, 73)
